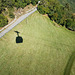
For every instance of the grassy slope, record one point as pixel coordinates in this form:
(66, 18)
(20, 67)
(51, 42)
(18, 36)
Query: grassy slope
(45, 50)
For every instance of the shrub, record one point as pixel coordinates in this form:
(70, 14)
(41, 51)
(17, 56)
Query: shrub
(70, 24)
(3, 20)
(34, 3)
(11, 15)
(41, 9)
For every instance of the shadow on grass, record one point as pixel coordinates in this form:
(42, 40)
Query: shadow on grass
(69, 64)
(19, 39)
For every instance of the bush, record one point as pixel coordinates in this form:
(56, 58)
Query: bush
(70, 24)
(23, 5)
(28, 1)
(41, 9)
(34, 3)
(3, 20)
(11, 15)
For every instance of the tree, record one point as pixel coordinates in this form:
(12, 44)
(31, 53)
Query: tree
(70, 24)
(33, 2)
(55, 16)
(28, 1)
(41, 9)
(67, 6)
(3, 20)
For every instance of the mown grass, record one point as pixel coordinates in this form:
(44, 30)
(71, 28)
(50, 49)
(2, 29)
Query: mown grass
(45, 50)
(69, 65)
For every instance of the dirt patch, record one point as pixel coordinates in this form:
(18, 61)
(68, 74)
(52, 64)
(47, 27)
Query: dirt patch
(45, 15)
(73, 14)
(0, 27)
(21, 11)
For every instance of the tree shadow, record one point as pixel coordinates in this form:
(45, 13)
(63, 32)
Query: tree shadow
(69, 64)
(19, 39)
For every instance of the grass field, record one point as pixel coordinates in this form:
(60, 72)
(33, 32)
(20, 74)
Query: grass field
(46, 49)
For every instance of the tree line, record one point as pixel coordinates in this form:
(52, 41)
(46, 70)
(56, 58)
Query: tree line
(10, 4)
(61, 14)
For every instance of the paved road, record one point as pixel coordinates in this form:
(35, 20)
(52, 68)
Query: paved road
(16, 23)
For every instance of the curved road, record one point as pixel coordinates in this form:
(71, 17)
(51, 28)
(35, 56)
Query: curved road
(16, 23)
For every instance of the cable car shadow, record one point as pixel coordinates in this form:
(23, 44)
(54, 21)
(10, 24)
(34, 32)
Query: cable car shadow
(19, 39)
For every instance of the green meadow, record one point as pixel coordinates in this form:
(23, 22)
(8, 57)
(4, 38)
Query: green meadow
(46, 49)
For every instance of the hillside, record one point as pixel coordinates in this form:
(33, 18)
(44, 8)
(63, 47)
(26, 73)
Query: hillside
(46, 49)
(71, 3)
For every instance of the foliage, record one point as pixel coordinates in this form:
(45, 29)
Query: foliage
(41, 9)
(57, 12)
(3, 20)
(70, 24)
(34, 3)
(70, 2)
(11, 15)
(28, 1)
